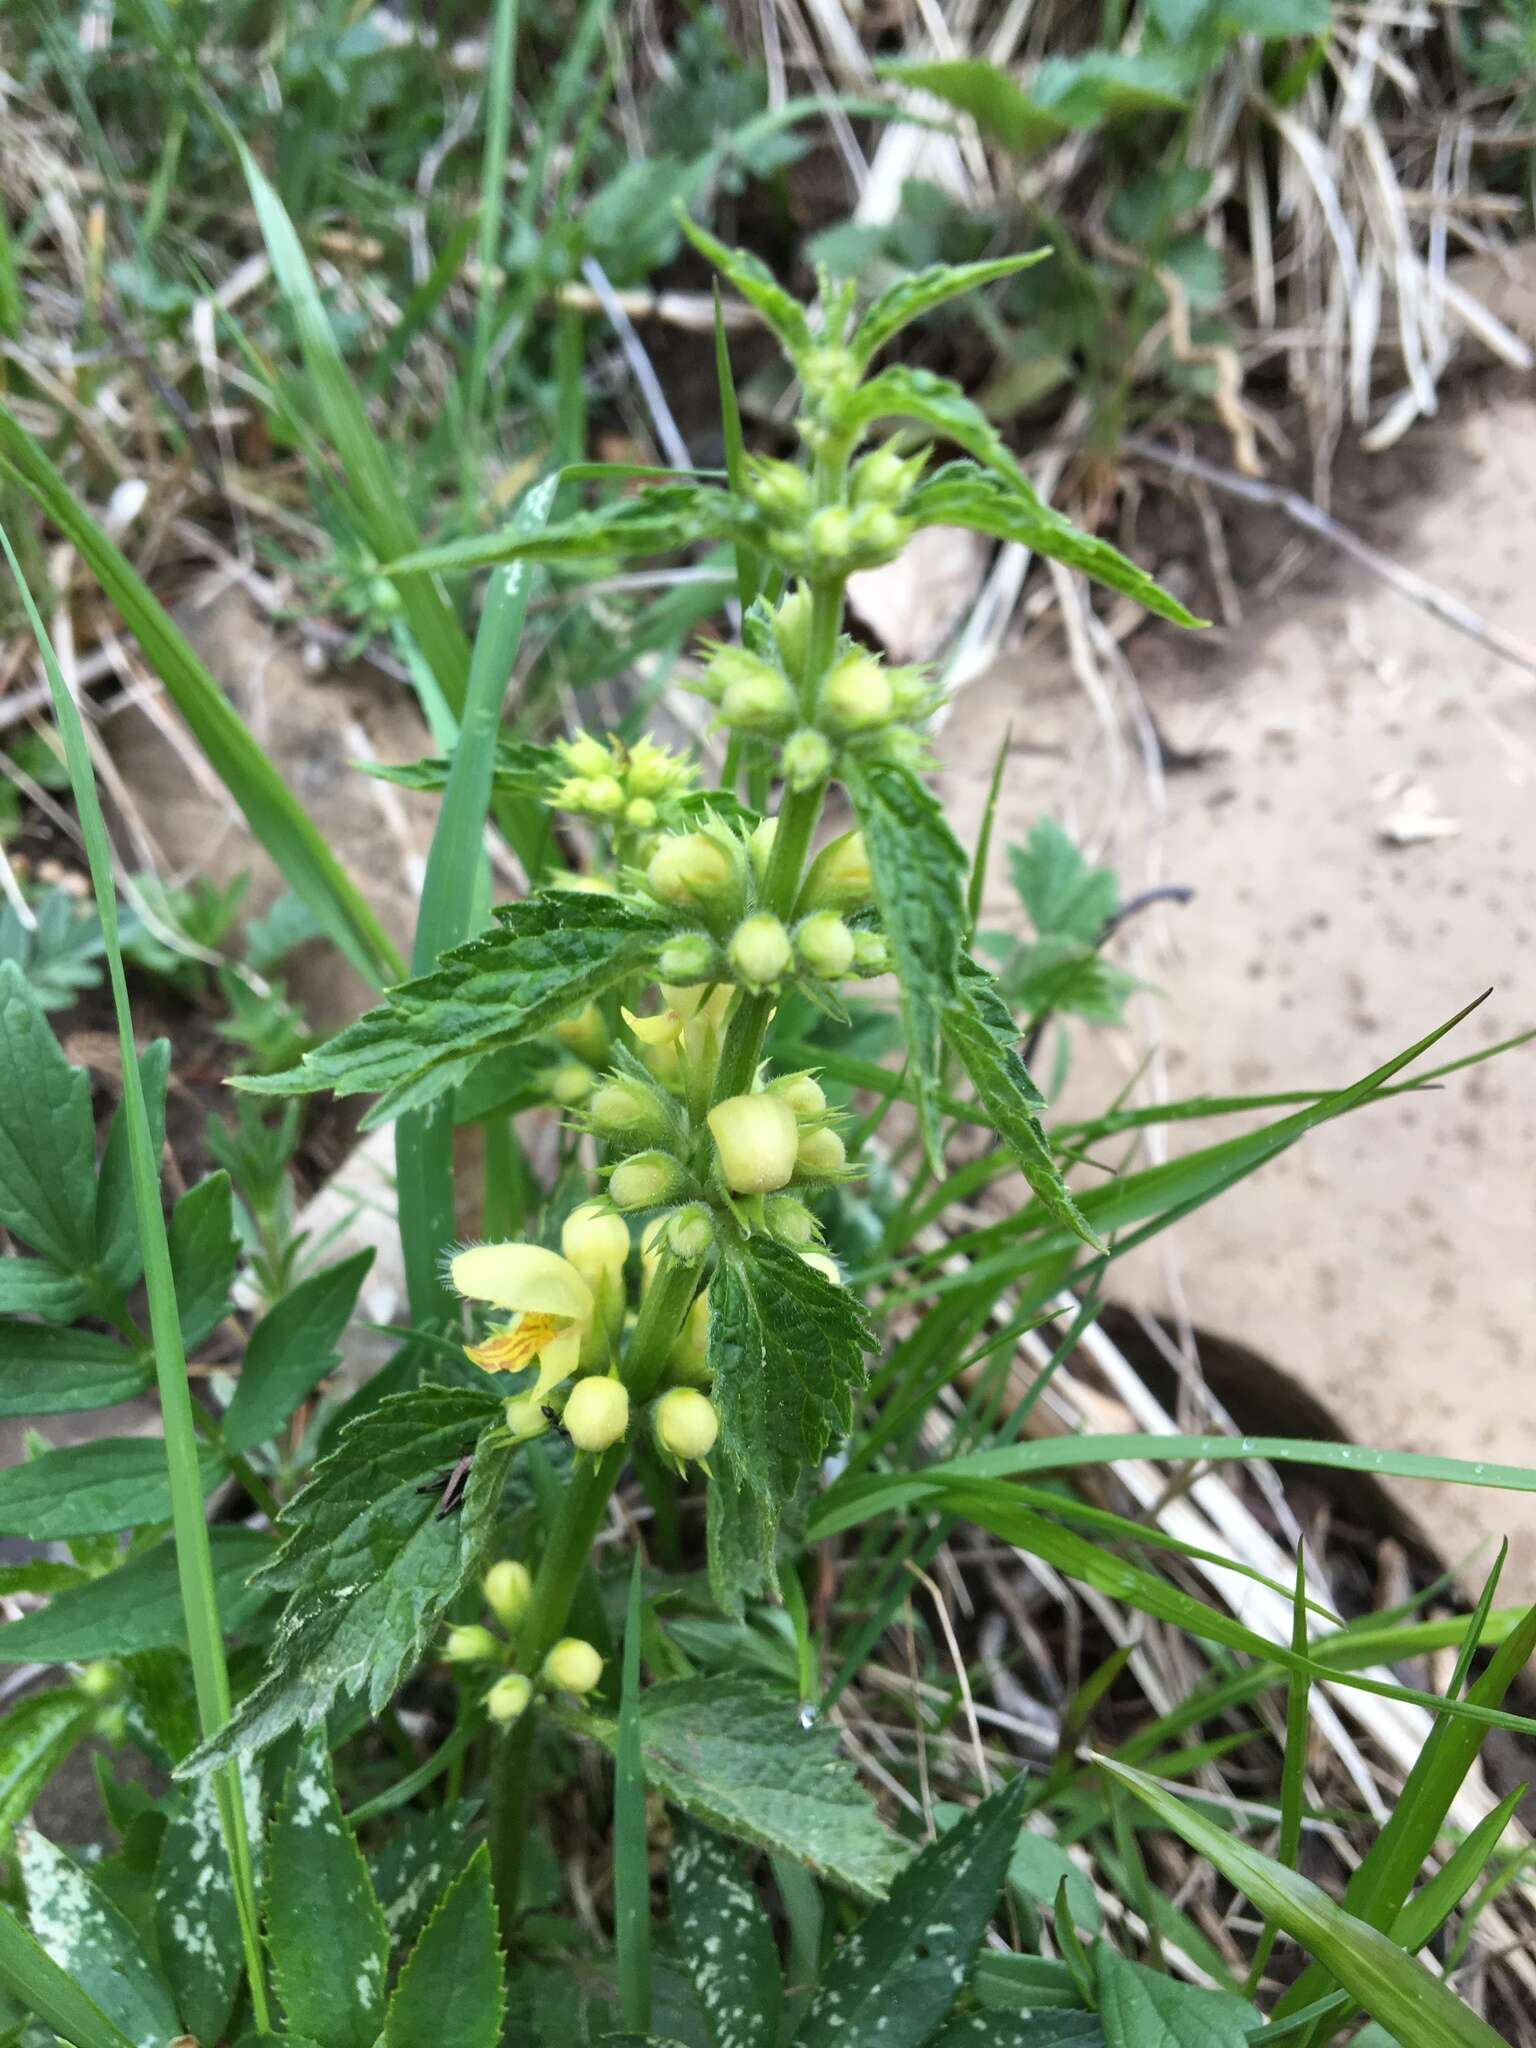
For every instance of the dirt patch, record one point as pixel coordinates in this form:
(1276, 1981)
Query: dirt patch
(1348, 784)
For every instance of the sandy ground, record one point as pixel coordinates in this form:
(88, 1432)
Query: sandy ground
(1388, 1264)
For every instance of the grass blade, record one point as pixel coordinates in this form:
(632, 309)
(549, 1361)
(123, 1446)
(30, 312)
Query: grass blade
(35, 1979)
(631, 1856)
(194, 1560)
(297, 849)
(493, 181)
(749, 570)
(1416, 2007)
(1293, 1777)
(424, 1140)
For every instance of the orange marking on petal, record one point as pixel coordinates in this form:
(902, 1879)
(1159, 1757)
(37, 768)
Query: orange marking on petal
(511, 1349)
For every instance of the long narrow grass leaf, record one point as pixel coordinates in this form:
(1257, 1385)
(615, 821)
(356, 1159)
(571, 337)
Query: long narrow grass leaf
(631, 1853)
(35, 1980)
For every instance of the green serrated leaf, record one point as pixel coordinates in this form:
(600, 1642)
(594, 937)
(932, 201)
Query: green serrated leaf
(424, 1854)
(911, 297)
(90, 1489)
(1062, 891)
(367, 1563)
(1141, 2008)
(918, 871)
(521, 768)
(547, 956)
(47, 1135)
(35, 1737)
(35, 1287)
(726, 1941)
(1022, 2030)
(138, 1606)
(1058, 973)
(451, 1988)
(1001, 109)
(786, 1351)
(45, 1371)
(1007, 506)
(197, 1925)
(291, 1350)
(757, 285)
(1417, 2007)
(731, 1751)
(980, 1032)
(897, 1974)
(657, 521)
(77, 1925)
(329, 1943)
(204, 1254)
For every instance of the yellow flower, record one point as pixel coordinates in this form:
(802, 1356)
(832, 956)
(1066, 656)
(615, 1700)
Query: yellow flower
(551, 1304)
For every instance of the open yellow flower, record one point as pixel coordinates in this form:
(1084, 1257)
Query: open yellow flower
(551, 1304)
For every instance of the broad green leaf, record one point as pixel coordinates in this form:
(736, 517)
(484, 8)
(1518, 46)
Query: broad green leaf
(1412, 2003)
(1022, 1983)
(1008, 507)
(35, 1287)
(45, 1371)
(275, 816)
(1141, 2008)
(426, 1851)
(36, 1735)
(911, 297)
(138, 1606)
(1060, 890)
(90, 1489)
(657, 521)
(196, 1923)
(980, 1032)
(37, 1575)
(451, 1988)
(1178, 19)
(519, 768)
(726, 1941)
(1059, 973)
(204, 1254)
(1001, 109)
(1276, 19)
(291, 1350)
(37, 1983)
(545, 957)
(1039, 1867)
(902, 393)
(117, 1238)
(757, 285)
(47, 1134)
(1100, 85)
(85, 1934)
(918, 870)
(329, 1944)
(786, 1352)
(896, 1975)
(367, 1563)
(731, 1752)
(1022, 2030)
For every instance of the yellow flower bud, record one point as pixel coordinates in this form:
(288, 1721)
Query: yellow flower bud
(645, 1181)
(824, 945)
(885, 477)
(827, 1267)
(792, 631)
(782, 489)
(789, 1220)
(508, 1698)
(507, 1587)
(98, 1680)
(688, 1360)
(573, 1666)
(473, 1645)
(690, 1233)
(604, 797)
(686, 1423)
(691, 869)
(755, 1137)
(626, 1108)
(802, 1092)
(661, 1029)
(871, 954)
(597, 1412)
(760, 846)
(831, 532)
(569, 1084)
(584, 755)
(760, 951)
(685, 962)
(827, 374)
(595, 1241)
(839, 877)
(585, 1033)
(877, 535)
(640, 814)
(805, 760)
(855, 696)
(764, 704)
(526, 1417)
(653, 771)
(821, 1151)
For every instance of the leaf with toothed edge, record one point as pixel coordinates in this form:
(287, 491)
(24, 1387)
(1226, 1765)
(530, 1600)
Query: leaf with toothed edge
(543, 958)
(911, 297)
(367, 1563)
(757, 285)
(88, 1937)
(451, 1990)
(325, 1931)
(725, 1939)
(197, 1924)
(899, 1972)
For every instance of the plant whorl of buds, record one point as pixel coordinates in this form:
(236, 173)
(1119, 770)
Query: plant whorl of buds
(628, 1111)
(760, 953)
(703, 871)
(824, 945)
(617, 785)
(646, 1180)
